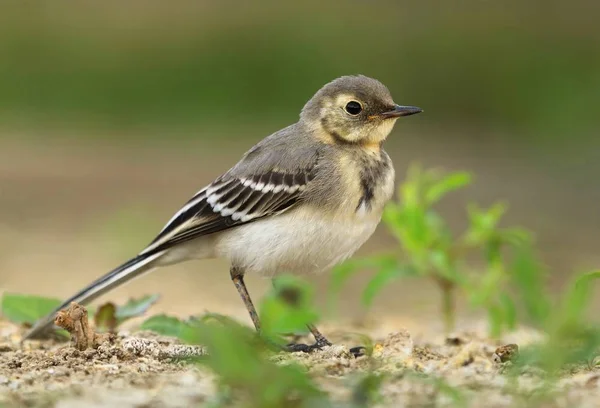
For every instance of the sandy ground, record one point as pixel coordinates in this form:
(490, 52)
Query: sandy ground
(138, 371)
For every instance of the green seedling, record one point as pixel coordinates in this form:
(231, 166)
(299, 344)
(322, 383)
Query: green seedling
(366, 392)
(429, 249)
(245, 374)
(571, 341)
(570, 338)
(166, 325)
(27, 309)
(240, 357)
(287, 308)
(110, 316)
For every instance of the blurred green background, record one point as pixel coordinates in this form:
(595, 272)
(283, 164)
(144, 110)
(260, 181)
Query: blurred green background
(513, 66)
(113, 113)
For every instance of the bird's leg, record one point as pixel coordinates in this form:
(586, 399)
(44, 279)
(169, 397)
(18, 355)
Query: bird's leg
(320, 342)
(237, 276)
(320, 339)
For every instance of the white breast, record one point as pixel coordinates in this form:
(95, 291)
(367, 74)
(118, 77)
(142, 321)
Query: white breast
(299, 241)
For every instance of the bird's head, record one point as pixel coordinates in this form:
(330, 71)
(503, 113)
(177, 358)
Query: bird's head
(354, 109)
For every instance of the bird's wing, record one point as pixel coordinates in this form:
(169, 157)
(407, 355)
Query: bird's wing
(231, 201)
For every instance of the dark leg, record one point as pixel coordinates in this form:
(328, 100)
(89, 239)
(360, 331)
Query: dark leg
(237, 276)
(320, 342)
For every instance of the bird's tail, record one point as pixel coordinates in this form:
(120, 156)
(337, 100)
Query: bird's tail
(124, 273)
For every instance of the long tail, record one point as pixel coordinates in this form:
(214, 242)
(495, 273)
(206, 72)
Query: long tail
(124, 273)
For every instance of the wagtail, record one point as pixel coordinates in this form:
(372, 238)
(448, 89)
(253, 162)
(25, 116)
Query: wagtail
(300, 201)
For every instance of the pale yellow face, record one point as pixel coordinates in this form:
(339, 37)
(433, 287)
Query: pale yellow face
(353, 120)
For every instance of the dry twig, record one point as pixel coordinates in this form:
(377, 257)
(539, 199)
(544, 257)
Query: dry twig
(74, 319)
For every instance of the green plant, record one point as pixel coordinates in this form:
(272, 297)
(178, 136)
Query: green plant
(570, 337)
(110, 316)
(245, 374)
(429, 249)
(287, 308)
(27, 309)
(240, 357)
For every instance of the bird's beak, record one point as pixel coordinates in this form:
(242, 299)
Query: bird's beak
(399, 110)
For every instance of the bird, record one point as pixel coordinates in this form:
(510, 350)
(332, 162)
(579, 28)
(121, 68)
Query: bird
(300, 201)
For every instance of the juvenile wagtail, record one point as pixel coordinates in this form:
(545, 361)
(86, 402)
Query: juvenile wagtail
(302, 200)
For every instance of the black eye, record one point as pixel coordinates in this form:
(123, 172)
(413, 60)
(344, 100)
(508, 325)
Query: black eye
(353, 108)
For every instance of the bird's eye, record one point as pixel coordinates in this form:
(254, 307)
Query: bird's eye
(353, 108)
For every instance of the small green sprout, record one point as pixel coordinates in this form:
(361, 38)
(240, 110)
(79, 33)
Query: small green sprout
(109, 316)
(27, 309)
(570, 337)
(429, 249)
(240, 357)
(287, 308)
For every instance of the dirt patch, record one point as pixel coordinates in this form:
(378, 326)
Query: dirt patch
(74, 319)
(130, 370)
(143, 369)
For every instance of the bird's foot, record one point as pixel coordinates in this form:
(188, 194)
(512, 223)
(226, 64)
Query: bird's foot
(307, 348)
(358, 351)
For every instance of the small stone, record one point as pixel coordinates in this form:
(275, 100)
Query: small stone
(454, 340)
(4, 348)
(506, 353)
(396, 345)
(465, 356)
(592, 382)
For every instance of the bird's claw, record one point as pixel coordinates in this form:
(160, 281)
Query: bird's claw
(358, 351)
(307, 348)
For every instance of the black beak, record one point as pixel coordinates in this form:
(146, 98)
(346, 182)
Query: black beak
(398, 111)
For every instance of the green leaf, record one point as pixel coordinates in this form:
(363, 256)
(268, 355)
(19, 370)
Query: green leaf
(441, 261)
(516, 237)
(453, 393)
(165, 325)
(242, 367)
(578, 296)
(409, 191)
(26, 308)
(490, 284)
(382, 279)
(529, 278)
(343, 272)
(288, 307)
(135, 307)
(447, 184)
(367, 391)
(105, 318)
